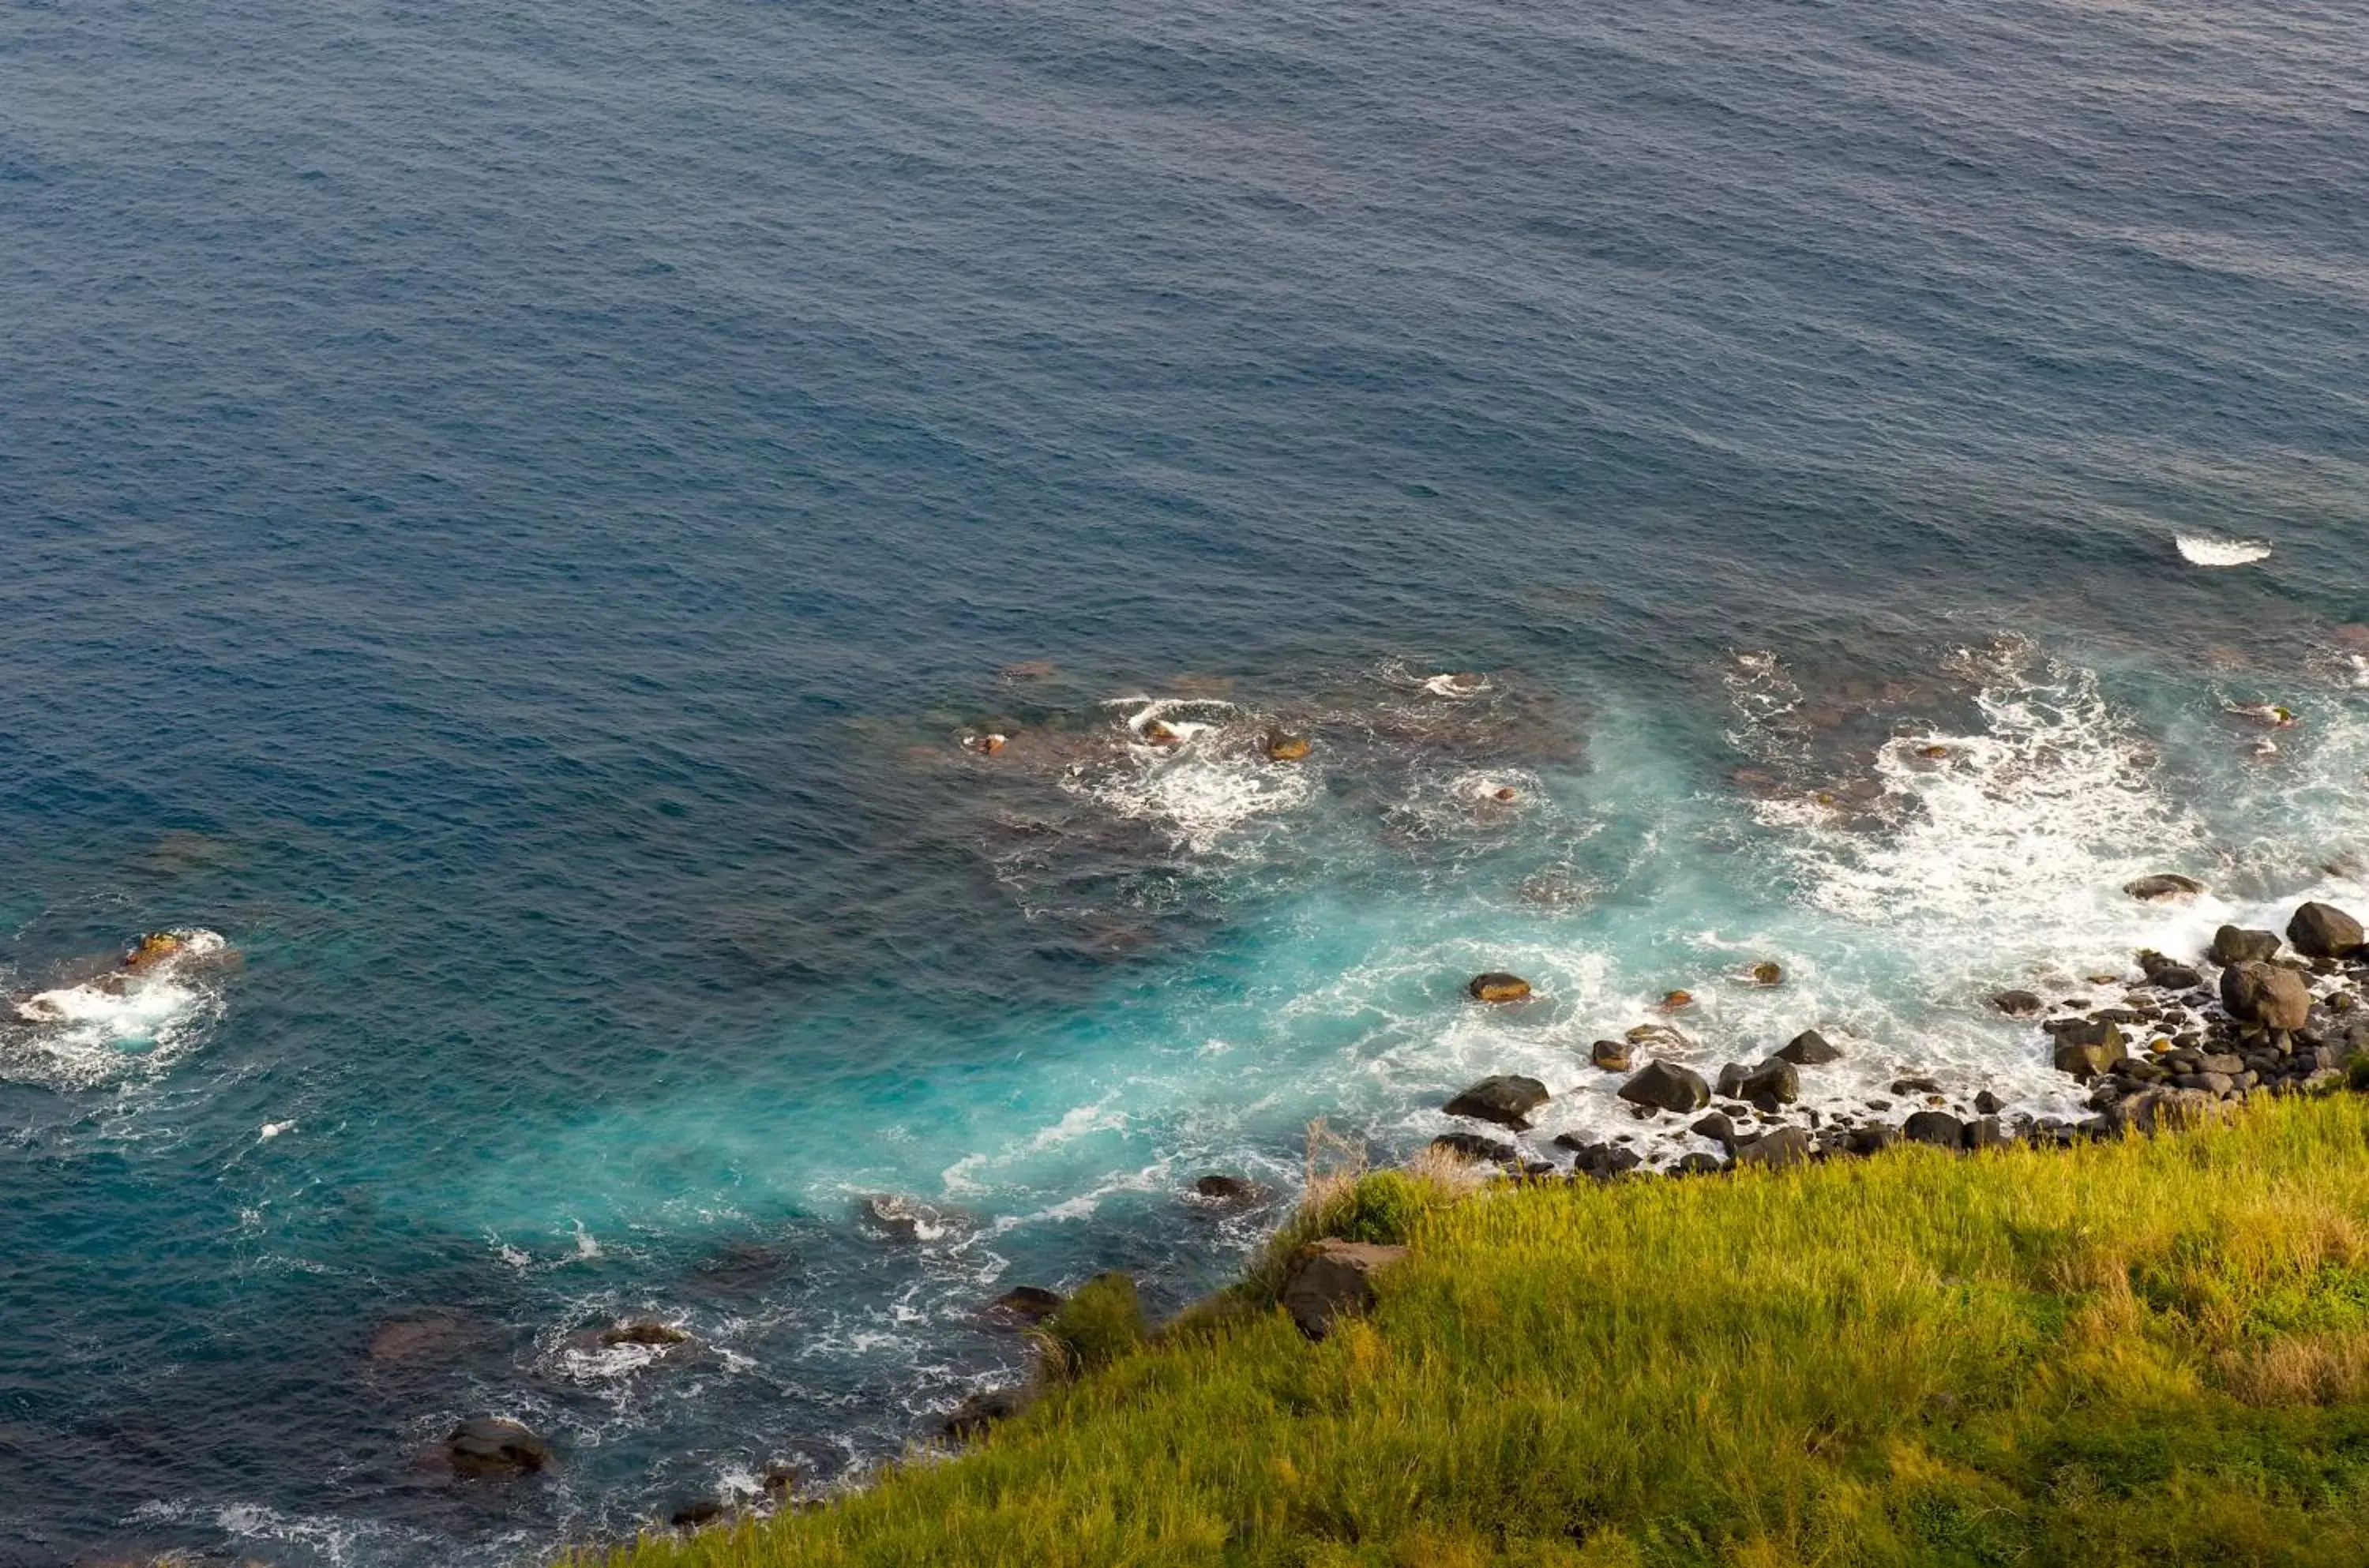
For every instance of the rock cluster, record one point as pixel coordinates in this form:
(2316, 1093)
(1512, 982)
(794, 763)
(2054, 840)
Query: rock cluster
(2251, 1014)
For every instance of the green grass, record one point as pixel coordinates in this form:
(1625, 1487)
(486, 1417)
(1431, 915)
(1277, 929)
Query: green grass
(2153, 1352)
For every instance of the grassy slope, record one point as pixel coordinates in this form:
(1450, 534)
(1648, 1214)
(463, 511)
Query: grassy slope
(2150, 1352)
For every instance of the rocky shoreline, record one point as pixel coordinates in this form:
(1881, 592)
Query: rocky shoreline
(2252, 1014)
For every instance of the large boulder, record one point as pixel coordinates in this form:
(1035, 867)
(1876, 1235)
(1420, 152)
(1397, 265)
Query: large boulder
(2323, 931)
(1774, 1079)
(2233, 944)
(495, 1446)
(1774, 1150)
(1331, 1279)
(1808, 1048)
(1498, 986)
(2088, 1047)
(1936, 1128)
(1661, 1086)
(1503, 1098)
(2161, 1110)
(2266, 996)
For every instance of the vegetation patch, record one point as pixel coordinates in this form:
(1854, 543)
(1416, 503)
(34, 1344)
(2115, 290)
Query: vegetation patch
(2153, 1351)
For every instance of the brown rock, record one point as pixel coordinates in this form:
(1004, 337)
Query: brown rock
(1286, 748)
(1498, 986)
(1330, 1279)
(1612, 1056)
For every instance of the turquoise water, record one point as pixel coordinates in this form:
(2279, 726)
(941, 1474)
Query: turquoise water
(512, 514)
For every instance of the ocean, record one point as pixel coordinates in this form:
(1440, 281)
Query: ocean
(519, 520)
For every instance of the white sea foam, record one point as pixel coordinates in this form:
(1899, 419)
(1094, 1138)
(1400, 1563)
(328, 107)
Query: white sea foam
(121, 1022)
(1198, 786)
(2208, 550)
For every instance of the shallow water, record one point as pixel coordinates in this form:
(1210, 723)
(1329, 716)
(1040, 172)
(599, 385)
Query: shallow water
(511, 513)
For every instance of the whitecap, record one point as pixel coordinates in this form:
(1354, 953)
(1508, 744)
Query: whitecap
(2205, 550)
(123, 1021)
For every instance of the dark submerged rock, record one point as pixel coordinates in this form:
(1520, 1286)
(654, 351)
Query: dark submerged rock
(495, 1446)
(2019, 1003)
(1218, 1188)
(1663, 1086)
(1808, 1048)
(648, 1331)
(1504, 1099)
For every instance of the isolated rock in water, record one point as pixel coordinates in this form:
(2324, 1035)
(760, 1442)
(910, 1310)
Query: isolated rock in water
(1936, 1128)
(2323, 931)
(1667, 1088)
(1330, 1279)
(903, 1219)
(1505, 1100)
(2266, 996)
(2233, 944)
(1775, 1149)
(1612, 1056)
(491, 1445)
(648, 1331)
(982, 1410)
(1286, 748)
(1226, 1189)
(414, 1339)
(1766, 973)
(1498, 986)
(1471, 1146)
(1661, 1036)
(2018, 1003)
(1678, 1001)
(1025, 1304)
(1808, 1048)
(2168, 887)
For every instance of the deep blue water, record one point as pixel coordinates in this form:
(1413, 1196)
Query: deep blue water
(510, 509)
